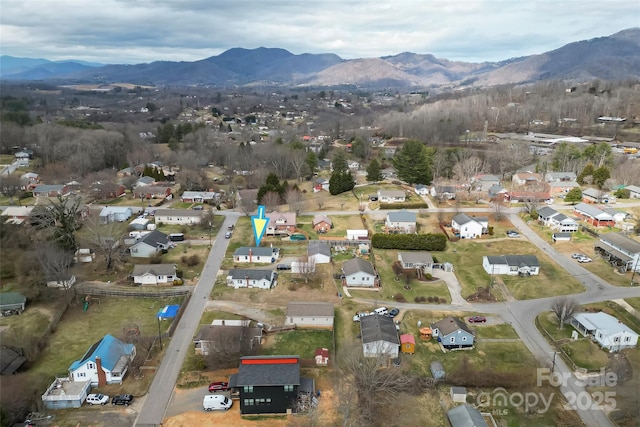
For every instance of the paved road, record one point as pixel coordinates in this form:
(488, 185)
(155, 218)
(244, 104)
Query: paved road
(157, 400)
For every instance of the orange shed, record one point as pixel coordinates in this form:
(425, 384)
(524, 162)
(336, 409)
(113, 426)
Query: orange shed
(407, 344)
(425, 334)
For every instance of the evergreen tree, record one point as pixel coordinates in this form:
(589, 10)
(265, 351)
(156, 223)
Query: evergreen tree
(312, 161)
(573, 196)
(339, 161)
(340, 182)
(413, 163)
(374, 171)
(600, 176)
(586, 174)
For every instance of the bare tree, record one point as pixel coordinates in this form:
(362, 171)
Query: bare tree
(270, 200)
(105, 239)
(320, 199)
(564, 308)
(531, 204)
(295, 200)
(498, 207)
(248, 202)
(469, 167)
(10, 187)
(306, 267)
(298, 162)
(55, 263)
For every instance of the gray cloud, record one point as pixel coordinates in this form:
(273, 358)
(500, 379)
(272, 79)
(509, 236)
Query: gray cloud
(128, 31)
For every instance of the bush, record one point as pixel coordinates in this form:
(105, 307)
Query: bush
(399, 297)
(416, 299)
(418, 242)
(430, 299)
(443, 301)
(423, 299)
(406, 205)
(428, 276)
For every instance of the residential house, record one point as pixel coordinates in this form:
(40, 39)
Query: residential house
(526, 178)
(281, 223)
(620, 250)
(511, 265)
(320, 184)
(150, 244)
(65, 393)
(497, 192)
(634, 191)
(199, 196)
(270, 384)
(466, 416)
(178, 216)
(353, 165)
(12, 303)
(421, 190)
(401, 222)
(560, 177)
(391, 196)
(56, 190)
(563, 223)
(17, 214)
(128, 171)
(106, 362)
(110, 214)
(358, 272)
(322, 223)
(539, 191)
(29, 180)
(106, 190)
(561, 187)
(593, 215)
(407, 343)
(248, 254)
(594, 195)
(152, 192)
(418, 260)
(250, 278)
(609, 332)
(319, 252)
(308, 314)
(145, 181)
(379, 336)
(154, 274)
(443, 192)
(545, 213)
(618, 215)
(453, 333)
(469, 227)
(484, 182)
(227, 337)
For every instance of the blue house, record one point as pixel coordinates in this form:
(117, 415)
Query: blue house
(106, 362)
(453, 334)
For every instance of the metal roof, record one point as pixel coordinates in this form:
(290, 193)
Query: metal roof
(309, 308)
(268, 370)
(357, 265)
(378, 328)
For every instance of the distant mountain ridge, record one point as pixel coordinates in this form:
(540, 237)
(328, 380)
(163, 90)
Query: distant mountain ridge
(15, 68)
(613, 57)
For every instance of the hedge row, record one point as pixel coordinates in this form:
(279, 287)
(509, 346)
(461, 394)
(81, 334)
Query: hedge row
(408, 205)
(419, 242)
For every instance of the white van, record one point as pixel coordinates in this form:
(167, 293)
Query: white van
(216, 402)
(381, 311)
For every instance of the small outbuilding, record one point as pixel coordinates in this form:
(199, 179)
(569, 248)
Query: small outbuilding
(426, 334)
(437, 370)
(12, 303)
(458, 394)
(561, 237)
(322, 356)
(407, 344)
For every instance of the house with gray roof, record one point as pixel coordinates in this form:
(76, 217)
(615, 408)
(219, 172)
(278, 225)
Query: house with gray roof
(453, 333)
(466, 416)
(379, 336)
(310, 314)
(545, 213)
(419, 260)
(563, 224)
(110, 214)
(199, 196)
(621, 251)
(51, 190)
(150, 244)
(511, 265)
(610, 333)
(319, 251)
(391, 196)
(594, 195)
(250, 278)
(249, 254)
(594, 215)
(484, 182)
(154, 274)
(358, 272)
(12, 303)
(469, 227)
(233, 337)
(401, 222)
(178, 216)
(560, 177)
(634, 191)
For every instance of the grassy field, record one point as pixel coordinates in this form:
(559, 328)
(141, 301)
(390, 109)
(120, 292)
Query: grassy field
(634, 302)
(585, 354)
(495, 331)
(299, 342)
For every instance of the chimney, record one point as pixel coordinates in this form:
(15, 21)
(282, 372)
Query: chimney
(102, 377)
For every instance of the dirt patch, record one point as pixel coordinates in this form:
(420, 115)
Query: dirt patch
(229, 418)
(482, 295)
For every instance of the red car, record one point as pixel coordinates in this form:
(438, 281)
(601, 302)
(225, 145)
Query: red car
(218, 386)
(477, 319)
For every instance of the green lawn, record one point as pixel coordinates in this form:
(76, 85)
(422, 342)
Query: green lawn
(634, 302)
(586, 354)
(549, 322)
(494, 331)
(299, 342)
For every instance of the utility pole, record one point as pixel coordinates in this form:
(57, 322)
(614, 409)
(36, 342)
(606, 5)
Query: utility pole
(633, 270)
(553, 366)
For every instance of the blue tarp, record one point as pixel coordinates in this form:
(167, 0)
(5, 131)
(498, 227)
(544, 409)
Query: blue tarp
(168, 312)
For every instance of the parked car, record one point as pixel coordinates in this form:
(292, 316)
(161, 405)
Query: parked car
(359, 315)
(477, 319)
(512, 233)
(381, 311)
(218, 386)
(97, 399)
(393, 312)
(584, 259)
(122, 399)
(231, 227)
(197, 207)
(228, 235)
(577, 255)
(283, 267)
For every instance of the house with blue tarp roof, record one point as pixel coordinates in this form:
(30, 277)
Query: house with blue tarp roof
(106, 362)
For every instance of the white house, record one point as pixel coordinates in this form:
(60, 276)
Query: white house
(150, 244)
(511, 265)
(421, 190)
(526, 178)
(562, 223)
(106, 362)
(391, 196)
(354, 165)
(545, 213)
(618, 215)
(308, 314)
(246, 254)
(469, 227)
(357, 234)
(198, 196)
(115, 214)
(358, 272)
(610, 333)
(620, 250)
(403, 222)
(154, 274)
(178, 216)
(634, 191)
(379, 336)
(416, 260)
(320, 252)
(249, 278)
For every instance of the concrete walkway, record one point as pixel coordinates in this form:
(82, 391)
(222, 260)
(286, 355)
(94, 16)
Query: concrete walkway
(622, 303)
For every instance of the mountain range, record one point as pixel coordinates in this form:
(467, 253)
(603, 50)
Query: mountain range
(613, 57)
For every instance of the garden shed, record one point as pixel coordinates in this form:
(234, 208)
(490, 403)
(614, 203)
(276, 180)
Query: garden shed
(407, 344)
(12, 303)
(437, 370)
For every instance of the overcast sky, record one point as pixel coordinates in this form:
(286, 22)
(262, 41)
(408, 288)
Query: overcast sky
(135, 31)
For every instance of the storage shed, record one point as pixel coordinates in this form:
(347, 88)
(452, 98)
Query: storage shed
(437, 370)
(458, 394)
(407, 344)
(12, 303)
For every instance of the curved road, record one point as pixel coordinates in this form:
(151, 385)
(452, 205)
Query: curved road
(520, 314)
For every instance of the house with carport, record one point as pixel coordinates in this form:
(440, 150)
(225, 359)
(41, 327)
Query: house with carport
(511, 265)
(593, 215)
(105, 362)
(154, 274)
(610, 333)
(620, 251)
(310, 314)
